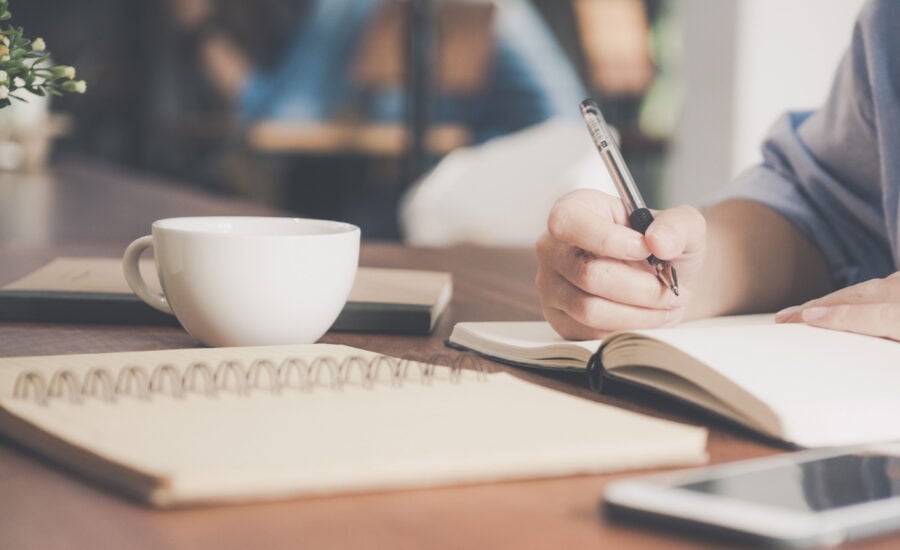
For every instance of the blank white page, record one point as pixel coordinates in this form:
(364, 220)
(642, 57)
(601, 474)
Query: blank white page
(827, 387)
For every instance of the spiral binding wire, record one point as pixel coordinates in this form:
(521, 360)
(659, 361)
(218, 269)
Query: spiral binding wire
(234, 377)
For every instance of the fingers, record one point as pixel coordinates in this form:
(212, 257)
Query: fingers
(595, 222)
(593, 275)
(675, 232)
(869, 292)
(871, 307)
(570, 329)
(568, 307)
(881, 319)
(611, 279)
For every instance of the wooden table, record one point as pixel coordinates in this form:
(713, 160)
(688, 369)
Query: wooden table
(382, 139)
(84, 209)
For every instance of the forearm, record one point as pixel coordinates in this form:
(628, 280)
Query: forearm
(756, 261)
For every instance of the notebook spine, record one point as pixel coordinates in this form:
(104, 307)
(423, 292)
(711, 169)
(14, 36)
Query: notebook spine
(595, 371)
(236, 378)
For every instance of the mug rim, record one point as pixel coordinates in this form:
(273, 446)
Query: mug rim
(331, 228)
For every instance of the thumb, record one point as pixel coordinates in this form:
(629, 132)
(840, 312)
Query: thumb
(675, 232)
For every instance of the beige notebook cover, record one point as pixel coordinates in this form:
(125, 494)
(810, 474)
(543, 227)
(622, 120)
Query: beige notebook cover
(381, 300)
(251, 425)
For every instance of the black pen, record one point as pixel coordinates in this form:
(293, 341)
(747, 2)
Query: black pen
(639, 216)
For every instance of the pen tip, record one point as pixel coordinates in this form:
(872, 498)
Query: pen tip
(667, 276)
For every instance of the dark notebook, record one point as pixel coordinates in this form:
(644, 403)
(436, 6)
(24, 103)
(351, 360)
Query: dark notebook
(93, 290)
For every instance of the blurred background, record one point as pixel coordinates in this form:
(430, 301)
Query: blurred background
(433, 122)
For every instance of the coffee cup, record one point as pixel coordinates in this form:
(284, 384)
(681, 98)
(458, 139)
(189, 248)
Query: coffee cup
(244, 281)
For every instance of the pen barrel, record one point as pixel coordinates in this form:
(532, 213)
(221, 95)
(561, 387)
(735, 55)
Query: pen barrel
(621, 177)
(640, 220)
(612, 157)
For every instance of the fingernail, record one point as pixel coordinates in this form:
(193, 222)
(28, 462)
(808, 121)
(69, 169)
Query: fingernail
(814, 313)
(786, 313)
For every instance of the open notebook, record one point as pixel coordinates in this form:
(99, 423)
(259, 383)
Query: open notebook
(384, 300)
(804, 385)
(195, 426)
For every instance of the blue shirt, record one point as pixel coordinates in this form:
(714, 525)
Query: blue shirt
(835, 173)
(530, 79)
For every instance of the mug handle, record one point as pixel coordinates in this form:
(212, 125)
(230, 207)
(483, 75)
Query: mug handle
(136, 281)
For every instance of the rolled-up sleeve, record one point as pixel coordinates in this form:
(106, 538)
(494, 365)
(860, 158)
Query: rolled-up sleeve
(823, 171)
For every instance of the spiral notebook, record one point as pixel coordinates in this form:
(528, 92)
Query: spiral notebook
(185, 427)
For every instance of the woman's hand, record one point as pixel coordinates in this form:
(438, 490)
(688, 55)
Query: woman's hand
(872, 308)
(593, 276)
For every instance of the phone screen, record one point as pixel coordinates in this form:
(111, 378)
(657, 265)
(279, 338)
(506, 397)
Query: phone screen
(815, 485)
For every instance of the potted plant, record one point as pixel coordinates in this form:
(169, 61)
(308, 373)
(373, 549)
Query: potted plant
(27, 80)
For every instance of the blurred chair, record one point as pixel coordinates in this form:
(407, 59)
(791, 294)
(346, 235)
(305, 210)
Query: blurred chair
(497, 68)
(462, 52)
(615, 38)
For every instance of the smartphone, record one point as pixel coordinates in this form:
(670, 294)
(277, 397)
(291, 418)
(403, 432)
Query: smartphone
(799, 499)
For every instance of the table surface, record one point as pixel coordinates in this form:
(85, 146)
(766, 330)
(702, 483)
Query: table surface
(81, 208)
(385, 139)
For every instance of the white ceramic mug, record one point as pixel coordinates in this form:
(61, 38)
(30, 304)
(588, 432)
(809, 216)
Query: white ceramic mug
(242, 281)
